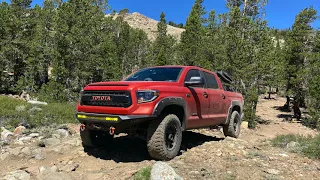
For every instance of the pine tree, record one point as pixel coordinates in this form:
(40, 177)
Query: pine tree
(19, 34)
(5, 14)
(299, 43)
(248, 46)
(313, 85)
(42, 47)
(163, 45)
(192, 41)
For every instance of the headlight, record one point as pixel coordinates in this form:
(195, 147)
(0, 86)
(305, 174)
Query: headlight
(147, 95)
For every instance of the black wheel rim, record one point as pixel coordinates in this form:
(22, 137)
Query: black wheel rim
(171, 136)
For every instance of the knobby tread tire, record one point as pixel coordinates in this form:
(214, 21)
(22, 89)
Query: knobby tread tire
(156, 138)
(228, 129)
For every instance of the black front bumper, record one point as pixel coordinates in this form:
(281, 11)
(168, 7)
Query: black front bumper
(118, 121)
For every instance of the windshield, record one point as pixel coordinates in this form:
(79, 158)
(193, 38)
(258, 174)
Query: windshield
(156, 74)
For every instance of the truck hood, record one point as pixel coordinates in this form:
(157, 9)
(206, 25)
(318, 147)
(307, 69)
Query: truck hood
(121, 85)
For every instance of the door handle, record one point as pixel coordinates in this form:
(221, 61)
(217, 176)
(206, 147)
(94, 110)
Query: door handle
(223, 96)
(205, 95)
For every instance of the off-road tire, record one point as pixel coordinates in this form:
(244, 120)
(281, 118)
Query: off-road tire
(233, 127)
(93, 138)
(157, 142)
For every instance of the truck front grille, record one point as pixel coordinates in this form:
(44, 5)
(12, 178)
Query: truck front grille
(106, 98)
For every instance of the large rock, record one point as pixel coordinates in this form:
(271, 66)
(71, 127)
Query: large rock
(34, 135)
(27, 151)
(244, 125)
(272, 171)
(46, 170)
(3, 156)
(33, 170)
(51, 142)
(162, 171)
(38, 154)
(25, 139)
(55, 176)
(69, 167)
(24, 95)
(6, 135)
(37, 103)
(17, 175)
(62, 133)
(16, 151)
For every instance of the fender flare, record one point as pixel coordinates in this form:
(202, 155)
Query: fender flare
(233, 104)
(172, 101)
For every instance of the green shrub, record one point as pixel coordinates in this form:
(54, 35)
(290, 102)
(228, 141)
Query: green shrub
(313, 121)
(251, 100)
(308, 145)
(54, 113)
(14, 112)
(56, 92)
(143, 174)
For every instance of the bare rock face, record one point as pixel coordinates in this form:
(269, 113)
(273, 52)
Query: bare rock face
(19, 130)
(148, 25)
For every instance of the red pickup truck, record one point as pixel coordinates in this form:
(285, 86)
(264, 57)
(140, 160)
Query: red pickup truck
(159, 103)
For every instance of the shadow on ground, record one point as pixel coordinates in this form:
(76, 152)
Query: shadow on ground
(130, 149)
(281, 108)
(285, 116)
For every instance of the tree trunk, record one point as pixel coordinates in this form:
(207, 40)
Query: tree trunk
(245, 7)
(296, 109)
(286, 106)
(269, 92)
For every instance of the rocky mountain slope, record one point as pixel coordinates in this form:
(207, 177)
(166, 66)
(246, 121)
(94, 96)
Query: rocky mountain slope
(206, 154)
(148, 25)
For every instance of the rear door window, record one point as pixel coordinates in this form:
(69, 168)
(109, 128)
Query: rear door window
(211, 81)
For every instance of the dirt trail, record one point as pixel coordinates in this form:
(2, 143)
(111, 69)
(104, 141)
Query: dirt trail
(205, 154)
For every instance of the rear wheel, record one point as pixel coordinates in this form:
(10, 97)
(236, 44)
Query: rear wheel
(93, 138)
(164, 138)
(233, 127)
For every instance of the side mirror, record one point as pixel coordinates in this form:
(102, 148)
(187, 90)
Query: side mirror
(195, 81)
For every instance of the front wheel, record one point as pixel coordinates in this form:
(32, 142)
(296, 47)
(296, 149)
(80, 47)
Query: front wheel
(233, 127)
(164, 138)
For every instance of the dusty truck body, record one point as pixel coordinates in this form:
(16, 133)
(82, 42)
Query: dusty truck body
(159, 103)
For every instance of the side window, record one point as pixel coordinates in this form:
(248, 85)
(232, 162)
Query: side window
(211, 81)
(192, 73)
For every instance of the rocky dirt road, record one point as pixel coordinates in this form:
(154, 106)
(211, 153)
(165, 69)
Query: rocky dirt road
(205, 154)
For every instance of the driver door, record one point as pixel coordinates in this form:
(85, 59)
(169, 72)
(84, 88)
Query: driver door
(198, 102)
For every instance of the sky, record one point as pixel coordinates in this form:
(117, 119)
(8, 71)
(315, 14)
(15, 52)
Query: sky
(279, 13)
